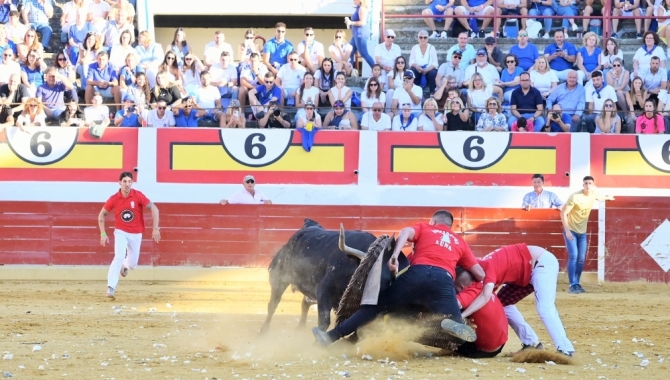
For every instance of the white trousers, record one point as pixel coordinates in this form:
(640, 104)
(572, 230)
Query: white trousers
(124, 242)
(543, 278)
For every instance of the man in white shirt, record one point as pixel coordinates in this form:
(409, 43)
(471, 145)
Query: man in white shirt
(409, 93)
(289, 78)
(310, 51)
(386, 52)
(483, 67)
(208, 98)
(159, 117)
(214, 49)
(16, 31)
(248, 195)
(376, 120)
(98, 11)
(97, 114)
(251, 77)
(224, 77)
(8, 66)
(597, 92)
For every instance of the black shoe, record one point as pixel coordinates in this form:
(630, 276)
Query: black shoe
(539, 346)
(321, 337)
(482, 33)
(580, 289)
(458, 330)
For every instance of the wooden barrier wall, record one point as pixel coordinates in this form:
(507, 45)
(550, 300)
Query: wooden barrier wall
(237, 235)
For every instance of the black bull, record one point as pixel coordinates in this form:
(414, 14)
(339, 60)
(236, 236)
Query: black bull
(312, 262)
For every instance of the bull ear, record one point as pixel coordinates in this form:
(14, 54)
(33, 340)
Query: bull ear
(349, 251)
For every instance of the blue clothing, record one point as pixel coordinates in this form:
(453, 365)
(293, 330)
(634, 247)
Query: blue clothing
(554, 127)
(359, 39)
(571, 10)
(476, 3)
(433, 8)
(4, 13)
(546, 199)
(590, 61)
(560, 63)
(264, 95)
(128, 74)
(539, 9)
(572, 102)
(35, 76)
(131, 120)
(359, 31)
(184, 120)
(108, 74)
(525, 56)
(278, 51)
(180, 52)
(79, 35)
(505, 76)
(576, 255)
(10, 45)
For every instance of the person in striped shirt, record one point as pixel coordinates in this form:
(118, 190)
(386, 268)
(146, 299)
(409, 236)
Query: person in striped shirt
(540, 198)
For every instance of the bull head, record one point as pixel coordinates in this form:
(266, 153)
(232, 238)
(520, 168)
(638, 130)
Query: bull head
(349, 251)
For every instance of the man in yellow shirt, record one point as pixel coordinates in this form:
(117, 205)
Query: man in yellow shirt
(575, 217)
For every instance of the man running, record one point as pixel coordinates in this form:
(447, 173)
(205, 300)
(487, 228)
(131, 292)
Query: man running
(428, 282)
(128, 206)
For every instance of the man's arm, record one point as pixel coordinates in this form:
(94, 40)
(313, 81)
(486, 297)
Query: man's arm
(156, 234)
(101, 224)
(480, 301)
(405, 234)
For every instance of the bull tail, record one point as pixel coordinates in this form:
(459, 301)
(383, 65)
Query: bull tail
(276, 260)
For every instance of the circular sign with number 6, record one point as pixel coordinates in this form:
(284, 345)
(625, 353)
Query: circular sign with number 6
(41, 146)
(655, 149)
(256, 147)
(473, 150)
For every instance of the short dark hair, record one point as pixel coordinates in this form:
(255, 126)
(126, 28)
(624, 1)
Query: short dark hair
(124, 175)
(596, 74)
(587, 178)
(540, 176)
(444, 216)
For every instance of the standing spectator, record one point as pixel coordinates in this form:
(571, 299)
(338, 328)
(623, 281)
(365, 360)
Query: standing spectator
(310, 51)
(289, 78)
(102, 79)
(114, 29)
(37, 13)
(405, 120)
(561, 56)
(122, 49)
(525, 52)
(596, 95)
(16, 30)
(340, 92)
(643, 55)
(164, 90)
(372, 94)
(73, 116)
(627, 8)
(209, 99)
(33, 71)
(493, 120)
(575, 218)
(409, 93)
(277, 49)
(511, 8)
(340, 52)
(98, 11)
(608, 121)
(360, 31)
(509, 78)
(387, 51)
(5, 42)
(475, 8)
(654, 78)
(430, 119)
(650, 121)
(619, 79)
(179, 46)
(251, 77)
(588, 56)
(340, 118)
(423, 61)
(494, 55)
(451, 68)
(376, 119)
(261, 96)
(457, 116)
(527, 102)
(32, 115)
(439, 8)
(557, 121)
(53, 92)
(487, 70)
(324, 79)
(129, 115)
(467, 51)
(247, 196)
(543, 78)
(150, 55)
(545, 8)
(540, 198)
(571, 96)
(159, 117)
(214, 49)
(15, 94)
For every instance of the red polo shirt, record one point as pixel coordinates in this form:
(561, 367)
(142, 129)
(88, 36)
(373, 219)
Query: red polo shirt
(490, 320)
(508, 264)
(129, 211)
(439, 246)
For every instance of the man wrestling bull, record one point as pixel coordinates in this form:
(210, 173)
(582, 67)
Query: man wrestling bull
(428, 282)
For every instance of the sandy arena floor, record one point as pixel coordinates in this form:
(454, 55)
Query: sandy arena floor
(210, 331)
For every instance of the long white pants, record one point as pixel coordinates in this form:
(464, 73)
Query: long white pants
(123, 243)
(543, 278)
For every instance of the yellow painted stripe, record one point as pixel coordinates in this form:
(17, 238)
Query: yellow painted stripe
(629, 163)
(82, 156)
(296, 159)
(433, 160)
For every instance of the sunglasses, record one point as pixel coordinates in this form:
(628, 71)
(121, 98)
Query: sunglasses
(250, 181)
(169, 58)
(309, 35)
(32, 105)
(338, 37)
(293, 59)
(403, 62)
(523, 35)
(608, 105)
(457, 57)
(391, 37)
(616, 65)
(188, 59)
(269, 82)
(493, 104)
(405, 105)
(373, 84)
(510, 61)
(377, 109)
(281, 31)
(161, 108)
(59, 59)
(249, 38)
(423, 37)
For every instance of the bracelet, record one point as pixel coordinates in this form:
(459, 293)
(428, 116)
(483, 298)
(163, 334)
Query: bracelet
(103, 234)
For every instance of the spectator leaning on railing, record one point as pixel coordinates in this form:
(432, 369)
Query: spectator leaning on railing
(539, 197)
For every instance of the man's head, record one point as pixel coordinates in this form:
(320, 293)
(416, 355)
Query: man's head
(377, 109)
(96, 100)
(161, 106)
(14, 81)
(269, 80)
(523, 38)
(463, 40)
(463, 279)
(482, 57)
(205, 78)
(389, 36)
(597, 78)
(589, 183)
(559, 37)
(51, 76)
(490, 42)
(456, 57)
(408, 77)
(293, 60)
(225, 59)
(249, 182)
(525, 80)
(129, 101)
(219, 37)
(102, 59)
(280, 31)
(538, 182)
(442, 217)
(557, 109)
(309, 35)
(13, 17)
(571, 79)
(655, 64)
(7, 56)
(126, 182)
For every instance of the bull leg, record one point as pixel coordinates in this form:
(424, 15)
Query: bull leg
(306, 303)
(277, 291)
(324, 305)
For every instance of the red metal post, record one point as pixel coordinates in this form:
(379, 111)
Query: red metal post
(607, 21)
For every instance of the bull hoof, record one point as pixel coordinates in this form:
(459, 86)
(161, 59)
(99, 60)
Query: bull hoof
(459, 331)
(321, 337)
(264, 329)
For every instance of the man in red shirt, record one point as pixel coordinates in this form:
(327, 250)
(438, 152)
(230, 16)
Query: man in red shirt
(128, 206)
(518, 266)
(428, 282)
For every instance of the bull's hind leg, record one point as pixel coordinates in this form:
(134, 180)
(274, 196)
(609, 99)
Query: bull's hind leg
(277, 291)
(306, 304)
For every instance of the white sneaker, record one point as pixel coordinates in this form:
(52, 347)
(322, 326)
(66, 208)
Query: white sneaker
(546, 36)
(533, 28)
(444, 34)
(434, 35)
(575, 27)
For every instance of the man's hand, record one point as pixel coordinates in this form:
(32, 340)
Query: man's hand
(393, 264)
(156, 235)
(223, 202)
(527, 208)
(568, 234)
(104, 239)
(609, 197)
(267, 202)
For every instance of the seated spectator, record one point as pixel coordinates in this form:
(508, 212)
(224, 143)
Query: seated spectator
(277, 49)
(544, 8)
(261, 97)
(98, 11)
(340, 91)
(643, 55)
(588, 56)
(387, 52)
(635, 100)
(608, 55)
(340, 52)
(249, 195)
(140, 91)
(468, 51)
(409, 93)
(561, 56)
(571, 96)
(588, 11)
(557, 121)
(543, 78)
(37, 13)
(235, 115)
(626, 8)
(596, 94)
(214, 49)
(661, 9)
(379, 74)
(423, 61)
(289, 78)
(251, 77)
(64, 68)
(6, 117)
(306, 93)
(248, 47)
(122, 49)
(405, 120)
(5, 42)
(526, 53)
(567, 8)
(325, 79)
(274, 117)
(32, 115)
(430, 119)
(159, 117)
(493, 120)
(72, 116)
(129, 115)
(150, 56)
(309, 119)
(102, 79)
(170, 67)
(372, 94)
(509, 78)
(53, 92)
(190, 73)
(619, 78)
(122, 6)
(224, 77)
(511, 8)
(16, 31)
(663, 109)
(5, 8)
(527, 101)
(164, 90)
(78, 33)
(451, 68)
(88, 54)
(650, 122)
(209, 99)
(376, 119)
(340, 118)
(310, 51)
(654, 78)
(179, 46)
(444, 93)
(522, 125)
(97, 114)
(128, 73)
(32, 71)
(395, 79)
(474, 8)
(438, 8)
(115, 27)
(608, 121)
(15, 94)
(458, 116)
(30, 42)
(8, 66)
(494, 55)
(188, 113)
(479, 91)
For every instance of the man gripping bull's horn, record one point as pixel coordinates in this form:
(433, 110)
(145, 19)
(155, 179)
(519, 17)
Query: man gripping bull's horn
(428, 282)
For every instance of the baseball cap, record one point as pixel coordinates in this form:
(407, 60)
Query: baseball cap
(310, 104)
(338, 103)
(248, 177)
(490, 41)
(129, 97)
(458, 53)
(389, 32)
(481, 51)
(409, 74)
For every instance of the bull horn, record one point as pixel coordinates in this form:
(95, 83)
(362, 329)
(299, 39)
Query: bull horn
(351, 252)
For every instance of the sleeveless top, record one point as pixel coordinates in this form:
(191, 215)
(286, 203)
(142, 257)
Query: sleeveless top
(612, 127)
(359, 31)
